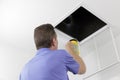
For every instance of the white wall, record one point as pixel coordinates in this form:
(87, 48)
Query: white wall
(11, 61)
(19, 18)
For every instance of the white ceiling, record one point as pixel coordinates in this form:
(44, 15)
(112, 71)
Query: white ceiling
(18, 18)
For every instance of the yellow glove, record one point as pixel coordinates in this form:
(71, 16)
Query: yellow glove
(75, 46)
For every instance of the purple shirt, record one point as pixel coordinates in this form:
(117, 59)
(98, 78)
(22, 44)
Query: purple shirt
(49, 65)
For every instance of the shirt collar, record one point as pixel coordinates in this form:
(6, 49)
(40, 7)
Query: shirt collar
(42, 50)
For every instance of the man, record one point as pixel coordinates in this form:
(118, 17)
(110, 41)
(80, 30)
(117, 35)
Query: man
(50, 63)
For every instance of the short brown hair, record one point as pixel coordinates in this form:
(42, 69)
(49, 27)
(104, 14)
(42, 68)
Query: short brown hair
(43, 36)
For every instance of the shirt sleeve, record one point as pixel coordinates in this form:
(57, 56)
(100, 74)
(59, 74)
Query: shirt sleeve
(71, 64)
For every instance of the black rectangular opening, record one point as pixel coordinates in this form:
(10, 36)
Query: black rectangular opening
(80, 24)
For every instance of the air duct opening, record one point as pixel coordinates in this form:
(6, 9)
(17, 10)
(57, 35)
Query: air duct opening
(80, 24)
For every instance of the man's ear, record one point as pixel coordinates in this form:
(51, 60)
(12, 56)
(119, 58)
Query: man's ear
(53, 42)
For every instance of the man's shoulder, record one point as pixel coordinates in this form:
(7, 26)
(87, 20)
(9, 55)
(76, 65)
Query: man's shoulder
(61, 52)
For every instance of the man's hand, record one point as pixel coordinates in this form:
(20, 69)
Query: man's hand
(78, 59)
(69, 47)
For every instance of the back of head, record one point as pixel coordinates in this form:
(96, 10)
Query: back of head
(43, 36)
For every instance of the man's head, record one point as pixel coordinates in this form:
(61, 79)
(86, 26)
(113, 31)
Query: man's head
(45, 37)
